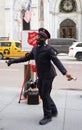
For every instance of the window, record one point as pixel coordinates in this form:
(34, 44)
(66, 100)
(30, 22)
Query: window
(5, 43)
(79, 45)
(18, 45)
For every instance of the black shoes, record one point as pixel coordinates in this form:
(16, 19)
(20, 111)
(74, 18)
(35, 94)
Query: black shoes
(45, 120)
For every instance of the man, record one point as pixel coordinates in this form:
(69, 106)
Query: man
(44, 55)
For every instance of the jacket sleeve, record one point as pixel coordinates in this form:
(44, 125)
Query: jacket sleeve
(23, 59)
(57, 62)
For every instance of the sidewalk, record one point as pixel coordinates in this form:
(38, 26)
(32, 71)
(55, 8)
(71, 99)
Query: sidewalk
(15, 116)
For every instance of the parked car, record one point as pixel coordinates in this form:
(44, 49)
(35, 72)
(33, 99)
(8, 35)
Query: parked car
(75, 50)
(61, 45)
(11, 49)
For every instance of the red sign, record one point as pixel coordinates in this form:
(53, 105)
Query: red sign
(32, 38)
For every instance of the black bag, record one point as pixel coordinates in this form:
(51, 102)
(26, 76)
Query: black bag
(33, 97)
(29, 84)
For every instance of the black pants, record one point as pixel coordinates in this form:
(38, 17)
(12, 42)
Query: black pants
(45, 86)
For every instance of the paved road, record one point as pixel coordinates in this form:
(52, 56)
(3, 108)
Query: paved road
(74, 67)
(13, 76)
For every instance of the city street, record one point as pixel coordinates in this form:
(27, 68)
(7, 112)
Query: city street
(66, 94)
(13, 76)
(25, 24)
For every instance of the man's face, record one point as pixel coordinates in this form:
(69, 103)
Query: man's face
(40, 38)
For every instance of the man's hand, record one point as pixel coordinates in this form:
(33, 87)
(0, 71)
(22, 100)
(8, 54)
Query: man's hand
(69, 77)
(9, 62)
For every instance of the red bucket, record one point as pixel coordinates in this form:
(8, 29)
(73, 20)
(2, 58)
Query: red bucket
(33, 67)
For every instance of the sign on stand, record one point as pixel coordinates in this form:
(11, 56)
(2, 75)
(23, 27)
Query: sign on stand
(28, 40)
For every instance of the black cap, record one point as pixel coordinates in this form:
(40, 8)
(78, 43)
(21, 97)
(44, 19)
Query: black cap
(44, 32)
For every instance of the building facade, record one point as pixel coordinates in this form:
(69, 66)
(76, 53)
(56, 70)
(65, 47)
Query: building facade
(63, 18)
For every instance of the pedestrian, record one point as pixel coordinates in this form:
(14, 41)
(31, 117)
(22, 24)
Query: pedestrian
(44, 55)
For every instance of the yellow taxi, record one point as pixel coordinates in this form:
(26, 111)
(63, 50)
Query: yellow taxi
(11, 49)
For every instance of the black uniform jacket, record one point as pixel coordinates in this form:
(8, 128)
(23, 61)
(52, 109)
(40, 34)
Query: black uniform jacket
(45, 60)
